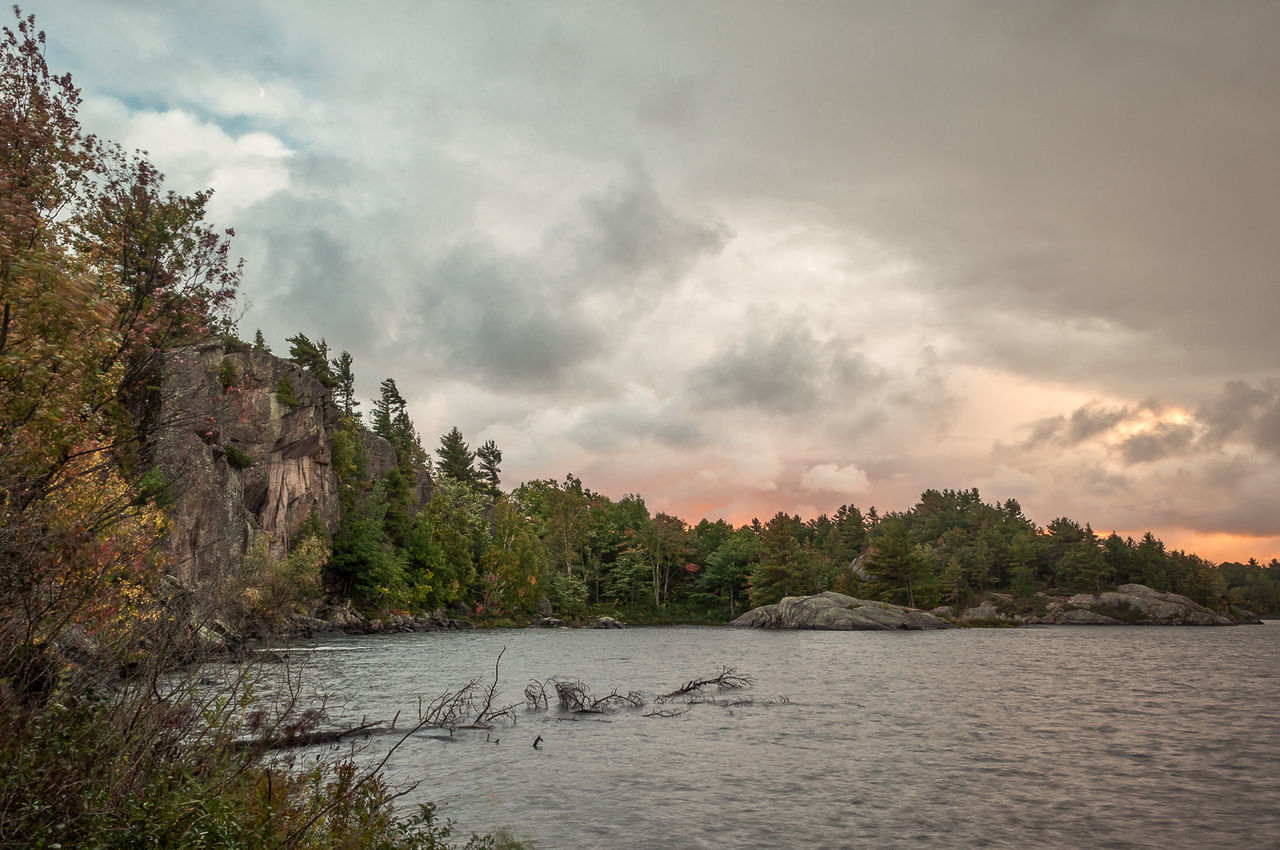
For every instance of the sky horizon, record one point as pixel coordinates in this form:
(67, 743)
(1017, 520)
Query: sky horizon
(748, 257)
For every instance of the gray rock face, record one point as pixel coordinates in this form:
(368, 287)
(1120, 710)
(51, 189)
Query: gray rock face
(243, 460)
(1082, 617)
(1142, 604)
(985, 611)
(836, 611)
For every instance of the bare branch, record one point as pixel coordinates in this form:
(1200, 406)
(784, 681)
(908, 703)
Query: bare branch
(727, 679)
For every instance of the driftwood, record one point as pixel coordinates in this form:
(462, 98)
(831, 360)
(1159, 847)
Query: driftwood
(477, 706)
(535, 696)
(728, 679)
(315, 737)
(469, 707)
(575, 697)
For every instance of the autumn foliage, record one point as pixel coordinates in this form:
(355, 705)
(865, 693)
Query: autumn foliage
(101, 743)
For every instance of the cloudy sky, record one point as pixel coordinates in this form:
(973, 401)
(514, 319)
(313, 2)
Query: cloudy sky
(747, 256)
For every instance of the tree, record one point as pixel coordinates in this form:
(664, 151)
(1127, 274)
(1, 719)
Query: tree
(490, 466)
(781, 568)
(729, 566)
(344, 384)
(448, 538)
(457, 461)
(313, 357)
(386, 407)
(101, 271)
(897, 566)
(512, 566)
(561, 513)
(260, 342)
(849, 537)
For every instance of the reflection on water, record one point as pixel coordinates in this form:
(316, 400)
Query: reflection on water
(1048, 737)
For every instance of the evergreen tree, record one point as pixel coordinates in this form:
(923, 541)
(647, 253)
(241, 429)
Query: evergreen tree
(457, 461)
(780, 569)
(260, 342)
(410, 454)
(313, 357)
(490, 457)
(849, 537)
(344, 388)
(897, 565)
(386, 408)
(729, 566)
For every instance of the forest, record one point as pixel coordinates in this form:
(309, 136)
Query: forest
(470, 545)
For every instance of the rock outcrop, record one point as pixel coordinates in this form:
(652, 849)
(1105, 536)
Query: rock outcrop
(1137, 603)
(245, 439)
(836, 611)
(1129, 604)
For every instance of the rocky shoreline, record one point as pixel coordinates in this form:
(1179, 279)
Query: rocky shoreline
(218, 637)
(1129, 604)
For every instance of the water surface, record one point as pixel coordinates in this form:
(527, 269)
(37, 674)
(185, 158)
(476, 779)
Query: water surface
(1036, 737)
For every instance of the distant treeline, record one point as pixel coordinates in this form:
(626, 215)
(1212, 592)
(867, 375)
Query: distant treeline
(441, 532)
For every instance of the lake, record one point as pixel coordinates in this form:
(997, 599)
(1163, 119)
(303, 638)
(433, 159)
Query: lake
(1035, 737)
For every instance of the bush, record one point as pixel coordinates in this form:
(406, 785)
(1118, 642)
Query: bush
(268, 589)
(285, 391)
(237, 459)
(162, 763)
(568, 594)
(227, 375)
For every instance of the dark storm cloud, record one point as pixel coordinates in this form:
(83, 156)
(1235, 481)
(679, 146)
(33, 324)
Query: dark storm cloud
(1120, 171)
(496, 321)
(629, 237)
(1232, 409)
(782, 370)
(1161, 441)
(1266, 434)
(616, 427)
(1244, 410)
(1085, 422)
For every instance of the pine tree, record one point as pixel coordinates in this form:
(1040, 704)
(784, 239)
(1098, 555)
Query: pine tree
(260, 342)
(389, 405)
(457, 461)
(344, 390)
(314, 357)
(490, 460)
(896, 565)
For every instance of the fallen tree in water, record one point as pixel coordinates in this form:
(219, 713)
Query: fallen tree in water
(474, 706)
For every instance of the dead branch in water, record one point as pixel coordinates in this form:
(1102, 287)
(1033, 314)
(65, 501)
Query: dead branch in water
(535, 696)
(314, 738)
(728, 679)
(575, 697)
(670, 712)
(488, 713)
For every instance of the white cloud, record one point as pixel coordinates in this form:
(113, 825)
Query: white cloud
(242, 170)
(849, 479)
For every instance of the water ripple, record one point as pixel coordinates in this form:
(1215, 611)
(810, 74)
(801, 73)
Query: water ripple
(1057, 737)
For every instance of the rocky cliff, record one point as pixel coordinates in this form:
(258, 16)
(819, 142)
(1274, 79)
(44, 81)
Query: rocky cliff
(245, 440)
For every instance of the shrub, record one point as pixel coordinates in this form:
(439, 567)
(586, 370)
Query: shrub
(237, 459)
(227, 375)
(285, 391)
(267, 588)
